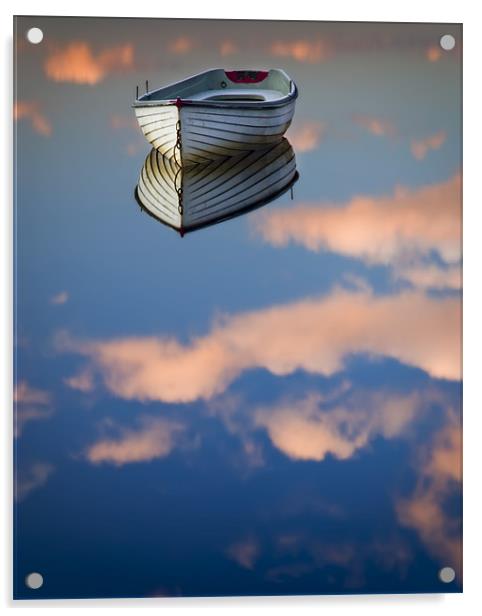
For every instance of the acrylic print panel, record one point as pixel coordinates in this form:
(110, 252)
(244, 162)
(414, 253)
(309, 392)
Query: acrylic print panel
(237, 308)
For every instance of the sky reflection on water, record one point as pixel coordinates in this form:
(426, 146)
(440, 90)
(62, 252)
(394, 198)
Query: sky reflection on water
(270, 405)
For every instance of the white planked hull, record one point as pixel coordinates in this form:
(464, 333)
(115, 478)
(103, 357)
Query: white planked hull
(188, 198)
(206, 133)
(156, 190)
(158, 123)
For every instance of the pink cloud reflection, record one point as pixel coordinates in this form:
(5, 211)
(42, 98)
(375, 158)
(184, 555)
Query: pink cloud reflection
(30, 110)
(401, 229)
(315, 335)
(76, 62)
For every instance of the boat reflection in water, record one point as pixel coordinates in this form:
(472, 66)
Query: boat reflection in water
(189, 198)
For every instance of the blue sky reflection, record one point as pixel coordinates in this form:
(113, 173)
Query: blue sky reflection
(267, 406)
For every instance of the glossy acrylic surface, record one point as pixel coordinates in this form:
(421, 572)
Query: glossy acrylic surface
(270, 405)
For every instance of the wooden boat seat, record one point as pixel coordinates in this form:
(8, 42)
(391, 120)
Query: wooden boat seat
(237, 94)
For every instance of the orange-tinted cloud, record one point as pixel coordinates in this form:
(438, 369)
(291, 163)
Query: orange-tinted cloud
(83, 381)
(394, 229)
(78, 63)
(59, 298)
(244, 552)
(427, 276)
(304, 430)
(31, 479)
(154, 439)
(302, 50)
(30, 110)
(421, 147)
(227, 48)
(181, 45)
(315, 335)
(433, 53)
(31, 404)
(306, 136)
(425, 510)
(25, 394)
(381, 127)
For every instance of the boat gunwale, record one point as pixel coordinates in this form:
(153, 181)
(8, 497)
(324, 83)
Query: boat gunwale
(219, 104)
(228, 104)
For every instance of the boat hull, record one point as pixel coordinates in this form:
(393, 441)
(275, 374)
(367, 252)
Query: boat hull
(189, 198)
(197, 134)
(159, 126)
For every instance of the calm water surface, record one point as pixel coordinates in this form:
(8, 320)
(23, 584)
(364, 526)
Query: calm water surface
(270, 405)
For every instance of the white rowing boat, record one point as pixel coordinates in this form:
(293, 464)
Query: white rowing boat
(217, 113)
(188, 198)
